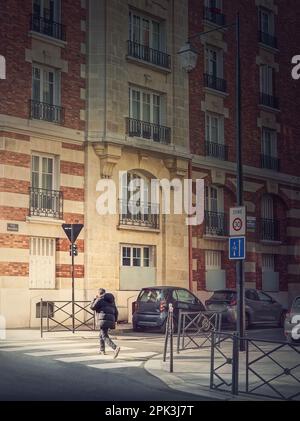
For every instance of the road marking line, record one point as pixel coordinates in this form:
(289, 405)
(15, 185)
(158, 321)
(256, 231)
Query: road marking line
(47, 346)
(35, 343)
(107, 366)
(93, 350)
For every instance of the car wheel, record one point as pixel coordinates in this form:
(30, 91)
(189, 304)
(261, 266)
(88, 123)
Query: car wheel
(281, 319)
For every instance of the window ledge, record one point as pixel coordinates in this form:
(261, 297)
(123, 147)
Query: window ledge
(48, 39)
(271, 242)
(269, 48)
(215, 92)
(266, 108)
(44, 220)
(215, 237)
(148, 64)
(138, 228)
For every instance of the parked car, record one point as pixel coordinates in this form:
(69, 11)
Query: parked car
(260, 308)
(151, 307)
(288, 325)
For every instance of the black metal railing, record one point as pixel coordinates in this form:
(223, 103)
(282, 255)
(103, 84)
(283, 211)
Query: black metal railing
(46, 112)
(46, 203)
(216, 150)
(155, 132)
(139, 214)
(64, 316)
(145, 53)
(269, 230)
(216, 224)
(269, 100)
(48, 27)
(213, 82)
(214, 15)
(270, 162)
(267, 39)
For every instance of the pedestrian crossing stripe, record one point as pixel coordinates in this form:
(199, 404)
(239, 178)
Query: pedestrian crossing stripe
(121, 356)
(7, 344)
(110, 366)
(93, 350)
(47, 346)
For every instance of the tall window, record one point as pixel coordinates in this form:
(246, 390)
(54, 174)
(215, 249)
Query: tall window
(146, 31)
(214, 62)
(45, 85)
(267, 80)
(42, 172)
(269, 143)
(146, 106)
(214, 129)
(47, 9)
(266, 21)
(267, 208)
(211, 199)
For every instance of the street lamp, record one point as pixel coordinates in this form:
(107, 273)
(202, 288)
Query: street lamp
(188, 57)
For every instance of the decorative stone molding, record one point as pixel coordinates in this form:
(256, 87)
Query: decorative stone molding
(109, 156)
(272, 188)
(218, 177)
(177, 167)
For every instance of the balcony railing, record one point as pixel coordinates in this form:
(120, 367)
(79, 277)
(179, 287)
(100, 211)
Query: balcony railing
(269, 100)
(142, 214)
(269, 230)
(214, 15)
(47, 27)
(268, 39)
(145, 53)
(213, 82)
(46, 112)
(155, 132)
(270, 162)
(46, 203)
(216, 150)
(216, 224)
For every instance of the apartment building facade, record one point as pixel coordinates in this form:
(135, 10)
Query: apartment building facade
(41, 153)
(92, 88)
(270, 147)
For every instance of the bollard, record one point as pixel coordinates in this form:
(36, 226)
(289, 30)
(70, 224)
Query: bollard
(171, 323)
(166, 338)
(41, 316)
(235, 365)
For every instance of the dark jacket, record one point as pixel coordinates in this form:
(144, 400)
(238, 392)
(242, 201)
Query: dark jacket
(107, 311)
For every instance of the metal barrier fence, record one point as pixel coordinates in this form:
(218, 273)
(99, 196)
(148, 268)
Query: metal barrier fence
(268, 369)
(61, 315)
(195, 328)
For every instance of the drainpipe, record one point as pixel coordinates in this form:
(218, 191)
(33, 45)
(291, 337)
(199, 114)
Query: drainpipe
(190, 233)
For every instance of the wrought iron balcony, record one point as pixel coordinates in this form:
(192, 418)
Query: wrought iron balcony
(145, 53)
(214, 15)
(269, 100)
(142, 214)
(269, 230)
(216, 150)
(268, 39)
(270, 162)
(155, 132)
(216, 224)
(47, 203)
(46, 112)
(47, 27)
(213, 82)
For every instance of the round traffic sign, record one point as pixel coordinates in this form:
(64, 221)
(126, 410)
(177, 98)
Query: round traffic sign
(237, 224)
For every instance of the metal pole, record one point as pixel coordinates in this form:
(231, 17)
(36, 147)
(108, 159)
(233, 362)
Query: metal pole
(171, 338)
(240, 263)
(41, 316)
(166, 338)
(73, 283)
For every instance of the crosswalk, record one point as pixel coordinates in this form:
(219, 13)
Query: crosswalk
(78, 351)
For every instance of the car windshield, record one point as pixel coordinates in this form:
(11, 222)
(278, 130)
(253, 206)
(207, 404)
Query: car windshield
(223, 295)
(152, 295)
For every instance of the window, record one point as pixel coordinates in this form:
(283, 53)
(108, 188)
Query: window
(213, 260)
(215, 5)
(47, 9)
(184, 296)
(264, 297)
(266, 21)
(42, 172)
(146, 106)
(267, 208)
(211, 199)
(268, 263)
(214, 62)
(137, 256)
(269, 142)
(214, 129)
(45, 85)
(146, 31)
(267, 80)
(42, 263)
(250, 294)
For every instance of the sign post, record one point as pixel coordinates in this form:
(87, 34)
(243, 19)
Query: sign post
(72, 231)
(237, 252)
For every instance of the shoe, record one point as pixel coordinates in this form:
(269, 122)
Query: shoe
(102, 353)
(116, 353)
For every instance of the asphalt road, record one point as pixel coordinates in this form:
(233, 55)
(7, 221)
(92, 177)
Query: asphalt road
(67, 370)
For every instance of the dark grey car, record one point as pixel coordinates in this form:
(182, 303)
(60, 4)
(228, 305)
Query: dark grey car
(260, 308)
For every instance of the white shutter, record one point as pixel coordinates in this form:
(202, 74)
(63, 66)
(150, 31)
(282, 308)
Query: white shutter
(42, 263)
(268, 262)
(212, 260)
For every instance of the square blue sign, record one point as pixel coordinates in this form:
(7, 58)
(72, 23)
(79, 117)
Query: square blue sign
(237, 248)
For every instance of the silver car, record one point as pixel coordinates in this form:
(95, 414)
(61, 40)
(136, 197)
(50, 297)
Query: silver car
(260, 308)
(292, 319)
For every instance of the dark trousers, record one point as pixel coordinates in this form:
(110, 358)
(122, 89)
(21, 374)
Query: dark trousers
(105, 339)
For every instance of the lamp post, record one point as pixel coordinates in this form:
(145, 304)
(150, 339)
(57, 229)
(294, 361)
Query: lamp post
(189, 57)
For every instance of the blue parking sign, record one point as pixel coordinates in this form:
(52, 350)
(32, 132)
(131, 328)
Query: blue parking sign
(237, 248)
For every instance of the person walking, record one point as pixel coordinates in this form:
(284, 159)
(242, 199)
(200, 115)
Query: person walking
(104, 305)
